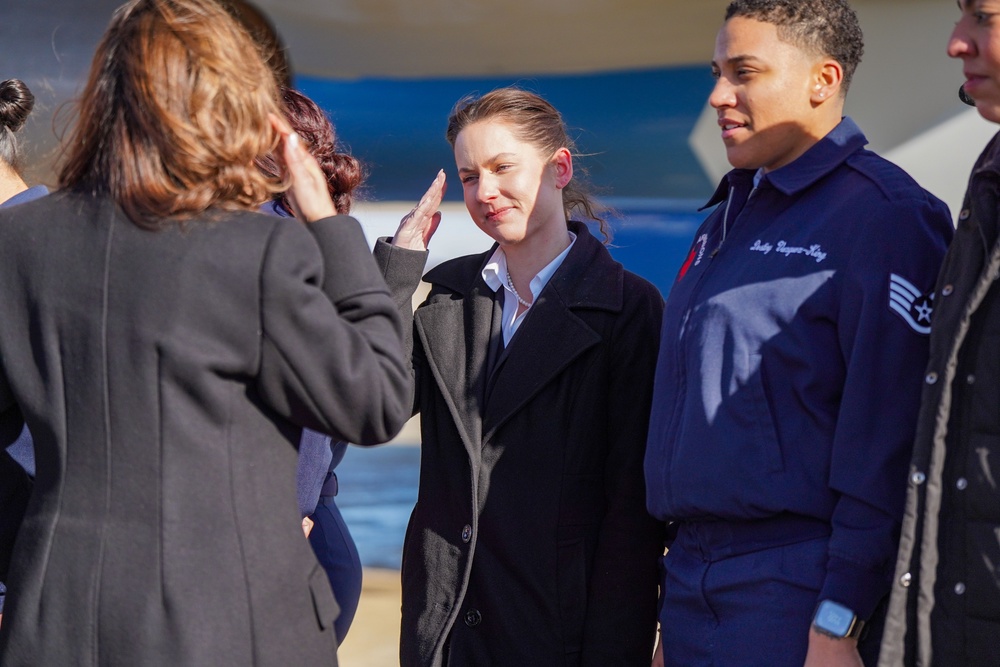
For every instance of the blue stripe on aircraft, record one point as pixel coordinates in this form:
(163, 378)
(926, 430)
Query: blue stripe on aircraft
(636, 123)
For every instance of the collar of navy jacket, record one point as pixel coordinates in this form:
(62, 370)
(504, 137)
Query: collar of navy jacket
(821, 159)
(455, 332)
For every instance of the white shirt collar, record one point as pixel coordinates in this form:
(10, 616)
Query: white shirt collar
(495, 275)
(495, 271)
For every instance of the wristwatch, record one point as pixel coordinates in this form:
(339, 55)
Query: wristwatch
(836, 620)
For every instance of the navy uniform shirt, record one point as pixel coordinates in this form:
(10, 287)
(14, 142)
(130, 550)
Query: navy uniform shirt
(793, 345)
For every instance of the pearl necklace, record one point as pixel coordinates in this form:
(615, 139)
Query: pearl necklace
(510, 284)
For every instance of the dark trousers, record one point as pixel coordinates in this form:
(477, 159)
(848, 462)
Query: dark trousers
(336, 552)
(732, 602)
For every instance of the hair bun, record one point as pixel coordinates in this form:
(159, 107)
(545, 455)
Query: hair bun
(16, 102)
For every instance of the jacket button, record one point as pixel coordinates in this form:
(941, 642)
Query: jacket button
(971, 379)
(905, 580)
(959, 588)
(964, 215)
(947, 290)
(918, 478)
(467, 534)
(473, 618)
(962, 484)
(931, 378)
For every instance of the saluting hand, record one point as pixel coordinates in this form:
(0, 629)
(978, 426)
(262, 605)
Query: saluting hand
(418, 226)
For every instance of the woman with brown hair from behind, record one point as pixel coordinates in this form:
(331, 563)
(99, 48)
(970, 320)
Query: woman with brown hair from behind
(166, 343)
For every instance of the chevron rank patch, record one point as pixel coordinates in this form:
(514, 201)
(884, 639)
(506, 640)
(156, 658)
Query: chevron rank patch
(911, 304)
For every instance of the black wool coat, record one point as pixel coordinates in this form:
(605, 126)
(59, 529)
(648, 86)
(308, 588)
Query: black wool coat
(530, 543)
(165, 377)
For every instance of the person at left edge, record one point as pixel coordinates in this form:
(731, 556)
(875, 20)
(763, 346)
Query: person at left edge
(790, 366)
(16, 103)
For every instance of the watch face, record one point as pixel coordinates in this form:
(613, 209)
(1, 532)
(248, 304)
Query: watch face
(834, 618)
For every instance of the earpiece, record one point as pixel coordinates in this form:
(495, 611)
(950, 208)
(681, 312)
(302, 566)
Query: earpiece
(965, 97)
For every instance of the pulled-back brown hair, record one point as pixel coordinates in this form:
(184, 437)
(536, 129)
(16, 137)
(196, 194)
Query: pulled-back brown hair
(173, 114)
(343, 172)
(16, 103)
(537, 122)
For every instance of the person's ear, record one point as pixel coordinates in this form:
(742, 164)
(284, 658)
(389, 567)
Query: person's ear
(562, 161)
(827, 79)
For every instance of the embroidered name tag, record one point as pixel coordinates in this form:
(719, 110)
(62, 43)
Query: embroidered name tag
(814, 251)
(915, 307)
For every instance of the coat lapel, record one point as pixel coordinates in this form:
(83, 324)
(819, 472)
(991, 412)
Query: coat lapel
(548, 341)
(458, 362)
(455, 334)
(553, 335)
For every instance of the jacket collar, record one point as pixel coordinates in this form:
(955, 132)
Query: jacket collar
(456, 334)
(30, 194)
(578, 281)
(822, 158)
(989, 159)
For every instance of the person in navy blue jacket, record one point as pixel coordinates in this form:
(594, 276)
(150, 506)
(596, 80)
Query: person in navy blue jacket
(16, 103)
(791, 360)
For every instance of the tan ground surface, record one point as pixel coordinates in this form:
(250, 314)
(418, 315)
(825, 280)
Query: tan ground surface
(374, 637)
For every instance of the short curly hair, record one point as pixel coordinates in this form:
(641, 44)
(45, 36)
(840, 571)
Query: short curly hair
(827, 27)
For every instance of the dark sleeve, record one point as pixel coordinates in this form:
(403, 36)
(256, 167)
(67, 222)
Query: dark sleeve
(15, 484)
(315, 455)
(331, 338)
(402, 270)
(884, 342)
(15, 490)
(622, 596)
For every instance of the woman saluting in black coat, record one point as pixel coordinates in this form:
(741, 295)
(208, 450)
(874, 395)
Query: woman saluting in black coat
(530, 543)
(165, 344)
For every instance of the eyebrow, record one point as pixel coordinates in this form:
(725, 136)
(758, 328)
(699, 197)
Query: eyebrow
(738, 60)
(493, 160)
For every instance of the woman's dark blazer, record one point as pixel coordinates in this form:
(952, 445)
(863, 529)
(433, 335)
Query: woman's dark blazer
(530, 543)
(165, 376)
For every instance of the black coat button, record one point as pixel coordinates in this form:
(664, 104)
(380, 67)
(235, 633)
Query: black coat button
(473, 618)
(467, 534)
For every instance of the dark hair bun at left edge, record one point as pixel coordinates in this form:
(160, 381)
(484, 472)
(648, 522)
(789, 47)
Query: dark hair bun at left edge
(16, 103)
